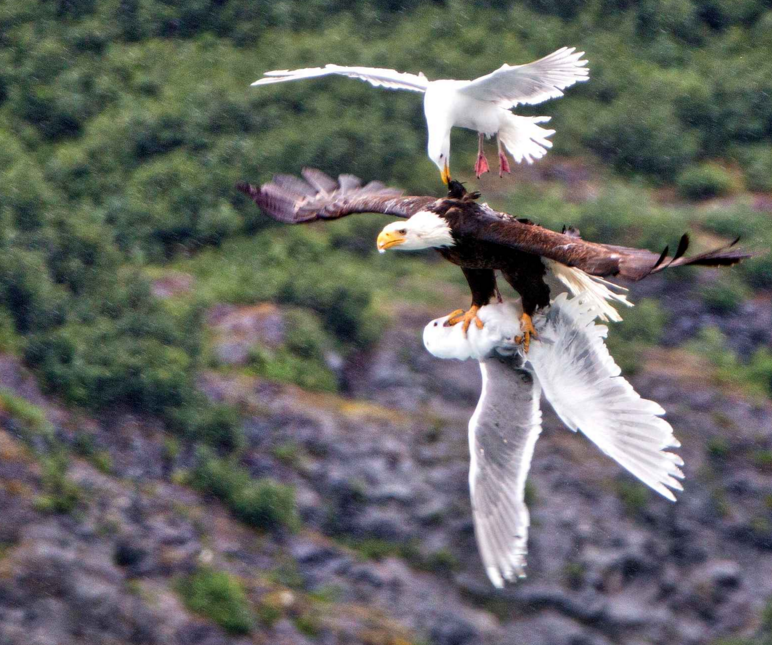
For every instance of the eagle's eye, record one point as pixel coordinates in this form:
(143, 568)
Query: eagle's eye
(402, 231)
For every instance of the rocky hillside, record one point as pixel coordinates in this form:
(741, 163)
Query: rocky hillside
(113, 532)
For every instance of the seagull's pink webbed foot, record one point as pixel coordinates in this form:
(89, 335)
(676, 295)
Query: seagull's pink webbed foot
(503, 164)
(481, 166)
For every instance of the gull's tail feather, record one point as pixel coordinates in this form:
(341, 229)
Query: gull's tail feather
(523, 138)
(583, 384)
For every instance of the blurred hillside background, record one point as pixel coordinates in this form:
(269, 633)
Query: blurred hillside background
(219, 430)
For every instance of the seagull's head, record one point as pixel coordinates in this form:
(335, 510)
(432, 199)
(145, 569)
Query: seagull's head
(423, 230)
(439, 153)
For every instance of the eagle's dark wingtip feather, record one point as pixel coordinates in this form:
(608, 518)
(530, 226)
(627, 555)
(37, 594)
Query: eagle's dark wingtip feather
(683, 244)
(661, 259)
(248, 189)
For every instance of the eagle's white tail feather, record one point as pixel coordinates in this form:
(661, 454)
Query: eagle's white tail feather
(595, 289)
(523, 138)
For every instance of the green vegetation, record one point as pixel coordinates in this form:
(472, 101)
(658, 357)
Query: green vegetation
(705, 181)
(642, 327)
(753, 377)
(634, 496)
(724, 295)
(61, 494)
(261, 503)
(30, 416)
(718, 448)
(574, 574)
(219, 596)
(126, 124)
(119, 160)
(302, 358)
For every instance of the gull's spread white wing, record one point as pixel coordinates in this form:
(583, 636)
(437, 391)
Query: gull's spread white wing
(583, 384)
(502, 434)
(388, 78)
(533, 83)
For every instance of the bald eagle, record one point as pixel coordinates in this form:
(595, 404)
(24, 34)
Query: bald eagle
(482, 104)
(578, 376)
(479, 240)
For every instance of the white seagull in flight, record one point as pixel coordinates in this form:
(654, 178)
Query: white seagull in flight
(572, 367)
(482, 104)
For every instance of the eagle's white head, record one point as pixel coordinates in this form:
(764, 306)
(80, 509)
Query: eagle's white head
(423, 230)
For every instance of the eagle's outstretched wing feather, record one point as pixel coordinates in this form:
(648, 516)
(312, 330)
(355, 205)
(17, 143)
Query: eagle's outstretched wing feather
(502, 434)
(533, 83)
(291, 200)
(377, 76)
(596, 259)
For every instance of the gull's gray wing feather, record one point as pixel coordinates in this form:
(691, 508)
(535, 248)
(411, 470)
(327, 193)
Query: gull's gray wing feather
(502, 434)
(533, 83)
(583, 384)
(377, 76)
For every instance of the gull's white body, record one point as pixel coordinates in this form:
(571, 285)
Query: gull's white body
(482, 104)
(570, 364)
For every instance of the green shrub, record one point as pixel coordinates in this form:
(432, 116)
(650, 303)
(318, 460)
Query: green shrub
(756, 162)
(652, 142)
(706, 181)
(262, 503)
(266, 504)
(219, 596)
(24, 412)
(642, 326)
(634, 496)
(215, 424)
(61, 494)
(302, 357)
(725, 295)
(755, 376)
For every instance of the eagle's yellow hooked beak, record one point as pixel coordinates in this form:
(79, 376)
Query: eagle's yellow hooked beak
(445, 174)
(387, 239)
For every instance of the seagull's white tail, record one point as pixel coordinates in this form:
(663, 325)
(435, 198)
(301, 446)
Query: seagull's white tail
(583, 384)
(523, 138)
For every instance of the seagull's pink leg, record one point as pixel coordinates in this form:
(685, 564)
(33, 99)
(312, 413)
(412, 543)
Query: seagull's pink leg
(481, 166)
(503, 163)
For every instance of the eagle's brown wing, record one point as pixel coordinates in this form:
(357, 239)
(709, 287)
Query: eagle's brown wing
(292, 200)
(596, 259)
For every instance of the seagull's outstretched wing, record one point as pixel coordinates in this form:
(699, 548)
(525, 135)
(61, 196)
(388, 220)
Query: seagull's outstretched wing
(502, 433)
(291, 200)
(380, 77)
(583, 384)
(533, 83)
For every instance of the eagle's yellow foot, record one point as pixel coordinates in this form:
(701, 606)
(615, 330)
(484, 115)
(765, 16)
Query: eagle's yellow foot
(465, 317)
(526, 326)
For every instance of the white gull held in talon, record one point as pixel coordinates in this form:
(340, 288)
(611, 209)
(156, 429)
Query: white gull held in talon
(572, 367)
(482, 104)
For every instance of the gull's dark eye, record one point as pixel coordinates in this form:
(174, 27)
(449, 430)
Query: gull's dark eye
(436, 323)
(442, 156)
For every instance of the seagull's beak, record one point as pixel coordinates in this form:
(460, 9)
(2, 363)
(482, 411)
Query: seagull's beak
(445, 174)
(387, 239)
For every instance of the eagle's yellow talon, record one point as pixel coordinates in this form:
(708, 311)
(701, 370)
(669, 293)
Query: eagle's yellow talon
(466, 318)
(526, 325)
